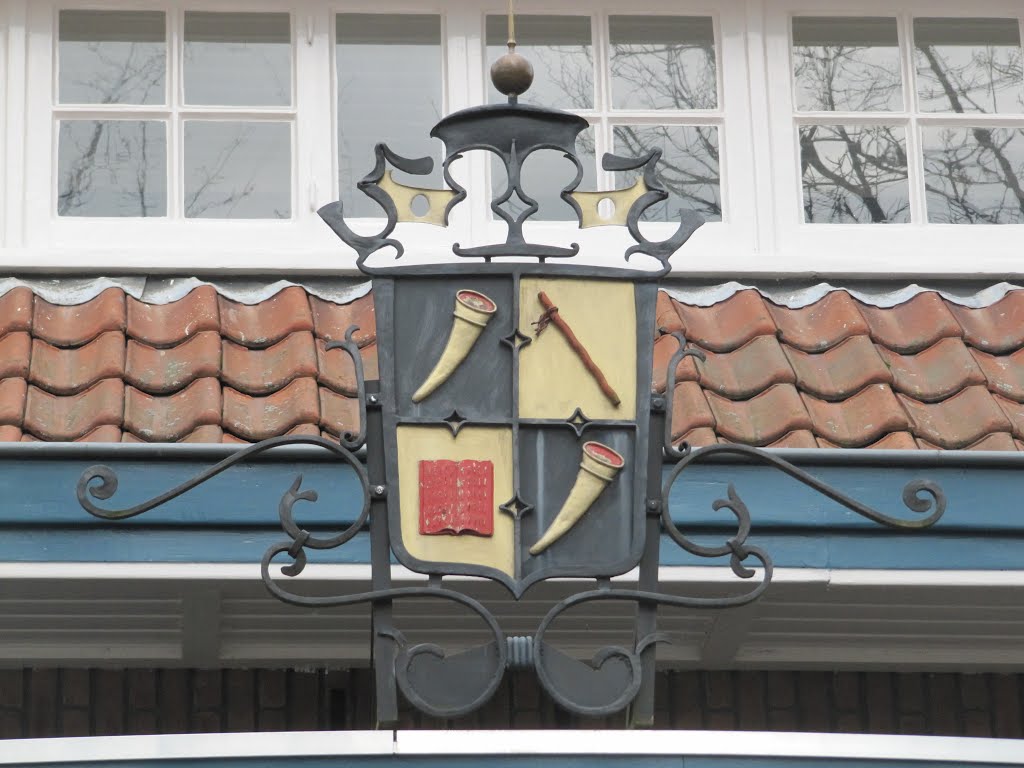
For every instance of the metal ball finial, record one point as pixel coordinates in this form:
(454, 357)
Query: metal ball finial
(512, 74)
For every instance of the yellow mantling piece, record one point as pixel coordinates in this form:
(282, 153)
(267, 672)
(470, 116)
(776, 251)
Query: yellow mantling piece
(428, 443)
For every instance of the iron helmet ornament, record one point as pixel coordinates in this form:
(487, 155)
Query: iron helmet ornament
(513, 433)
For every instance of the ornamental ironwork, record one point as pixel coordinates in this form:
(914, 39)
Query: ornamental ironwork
(513, 433)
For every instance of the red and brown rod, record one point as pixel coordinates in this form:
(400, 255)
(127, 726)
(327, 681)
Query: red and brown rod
(551, 313)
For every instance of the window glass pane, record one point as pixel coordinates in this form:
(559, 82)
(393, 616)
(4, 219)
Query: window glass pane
(112, 57)
(389, 90)
(968, 65)
(559, 47)
(112, 168)
(974, 175)
(688, 169)
(662, 62)
(846, 64)
(237, 170)
(238, 59)
(854, 174)
(544, 175)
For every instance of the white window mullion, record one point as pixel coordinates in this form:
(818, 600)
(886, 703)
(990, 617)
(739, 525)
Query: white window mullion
(175, 128)
(915, 157)
(31, 128)
(315, 145)
(463, 48)
(602, 126)
(763, 168)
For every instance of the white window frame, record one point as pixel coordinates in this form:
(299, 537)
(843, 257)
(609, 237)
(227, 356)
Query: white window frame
(912, 249)
(762, 231)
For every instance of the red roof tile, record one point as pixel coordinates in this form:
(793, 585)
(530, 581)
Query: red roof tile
(862, 419)
(207, 369)
(761, 419)
(942, 370)
(821, 325)
(998, 328)
(72, 326)
(958, 421)
(666, 318)
(162, 371)
(66, 371)
(840, 372)
(261, 325)
(729, 324)
(167, 325)
(913, 325)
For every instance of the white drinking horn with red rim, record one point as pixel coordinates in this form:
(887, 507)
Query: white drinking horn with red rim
(599, 466)
(473, 311)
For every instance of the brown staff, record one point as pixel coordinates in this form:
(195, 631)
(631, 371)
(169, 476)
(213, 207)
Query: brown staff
(551, 315)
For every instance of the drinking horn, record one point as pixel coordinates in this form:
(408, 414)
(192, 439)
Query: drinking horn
(599, 466)
(473, 311)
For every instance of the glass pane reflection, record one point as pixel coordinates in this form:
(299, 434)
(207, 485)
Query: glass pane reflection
(854, 174)
(394, 101)
(688, 169)
(560, 49)
(968, 65)
(112, 168)
(663, 62)
(238, 59)
(112, 57)
(237, 170)
(974, 175)
(846, 64)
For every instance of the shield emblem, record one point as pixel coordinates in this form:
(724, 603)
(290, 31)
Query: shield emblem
(515, 447)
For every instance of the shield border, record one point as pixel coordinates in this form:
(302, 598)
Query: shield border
(645, 293)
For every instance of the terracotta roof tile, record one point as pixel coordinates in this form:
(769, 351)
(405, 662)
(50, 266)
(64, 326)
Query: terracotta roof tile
(762, 419)
(729, 324)
(52, 417)
(15, 353)
(74, 325)
(913, 325)
(167, 419)
(1005, 373)
(66, 371)
(12, 401)
(162, 371)
(820, 325)
(999, 441)
(664, 348)
(208, 433)
(338, 414)
(1014, 412)
(9, 433)
(104, 434)
(862, 419)
(261, 325)
(16, 310)
(262, 371)
(666, 317)
(167, 325)
(798, 438)
(699, 437)
(998, 328)
(939, 371)
(332, 320)
(690, 409)
(841, 371)
(257, 418)
(746, 371)
(902, 441)
(958, 421)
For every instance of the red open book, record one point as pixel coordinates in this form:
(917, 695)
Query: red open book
(457, 497)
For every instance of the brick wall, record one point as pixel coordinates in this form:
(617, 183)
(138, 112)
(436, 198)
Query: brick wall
(81, 702)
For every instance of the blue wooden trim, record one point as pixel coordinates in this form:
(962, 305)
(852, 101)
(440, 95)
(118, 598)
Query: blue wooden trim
(233, 518)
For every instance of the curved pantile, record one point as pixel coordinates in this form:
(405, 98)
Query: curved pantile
(841, 371)
(862, 419)
(1004, 373)
(16, 310)
(935, 373)
(15, 353)
(958, 421)
(76, 324)
(338, 414)
(913, 325)
(170, 418)
(167, 325)
(998, 328)
(65, 418)
(1014, 412)
(160, 371)
(729, 324)
(12, 401)
(821, 325)
(690, 409)
(66, 371)
(261, 325)
(746, 371)
(257, 418)
(262, 371)
(762, 419)
(331, 321)
(337, 372)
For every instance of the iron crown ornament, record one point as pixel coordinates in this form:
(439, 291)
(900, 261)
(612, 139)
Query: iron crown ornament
(513, 433)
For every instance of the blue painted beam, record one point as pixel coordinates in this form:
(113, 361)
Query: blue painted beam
(233, 517)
